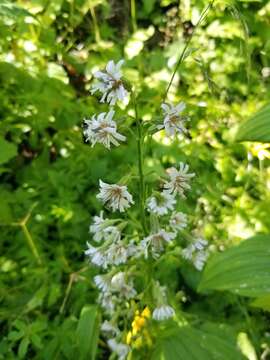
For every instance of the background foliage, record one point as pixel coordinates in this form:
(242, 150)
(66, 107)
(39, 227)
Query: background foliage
(49, 177)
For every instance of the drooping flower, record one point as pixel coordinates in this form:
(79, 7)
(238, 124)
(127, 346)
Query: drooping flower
(120, 349)
(103, 282)
(197, 253)
(97, 256)
(103, 230)
(120, 285)
(173, 122)
(161, 203)
(115, 196)
(110, 83)
(156, 242)
(102, 129)
(179, 180)
(178, 221)
(117, 253)
(163, 312)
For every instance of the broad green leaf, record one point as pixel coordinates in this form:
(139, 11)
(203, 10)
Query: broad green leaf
(187, 343)
(87, 332)
(243, 269)
(257, 128)
(7, 151)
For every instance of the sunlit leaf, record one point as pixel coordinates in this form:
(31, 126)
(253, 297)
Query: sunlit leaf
(257, 128)
(243, 269)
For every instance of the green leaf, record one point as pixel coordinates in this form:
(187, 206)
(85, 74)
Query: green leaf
(262, 302)
(257, 128)
(187, 343)
(88, 331)
(7, 151)
(243, 269)
(9, 9)
(23, 347)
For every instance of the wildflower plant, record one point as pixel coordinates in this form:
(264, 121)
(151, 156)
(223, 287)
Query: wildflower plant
(127, 252)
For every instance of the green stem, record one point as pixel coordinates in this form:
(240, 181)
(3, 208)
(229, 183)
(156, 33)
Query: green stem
(183, 53)
(133, 15)
(140, 139)
(95, 23)
(31, 243)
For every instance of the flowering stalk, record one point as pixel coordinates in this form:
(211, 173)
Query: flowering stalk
(128, 284)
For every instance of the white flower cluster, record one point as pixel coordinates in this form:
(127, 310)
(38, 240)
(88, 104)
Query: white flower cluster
(161, 203)
(197, 253)
(102, 128)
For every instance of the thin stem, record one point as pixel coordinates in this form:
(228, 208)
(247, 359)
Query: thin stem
(140, 139)
(95, 23)
(183, 53)
(133, 15)
(31, 243)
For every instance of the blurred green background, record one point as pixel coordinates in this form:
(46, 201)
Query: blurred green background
(49, 177)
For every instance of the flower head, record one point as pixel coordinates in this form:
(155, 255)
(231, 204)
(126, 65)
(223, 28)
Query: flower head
(163, 312)
(178, 221)
(156, 242)
(115, 196)
(161, 204)
(102, 129)
(173, 122)
(179, 180)
(110, 84)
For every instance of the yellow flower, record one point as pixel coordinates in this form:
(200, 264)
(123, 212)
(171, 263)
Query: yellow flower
(137, 324)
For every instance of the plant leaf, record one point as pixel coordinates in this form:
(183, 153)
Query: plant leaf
(87, 332)
(243, 269)
(257, 128)
(209, 342)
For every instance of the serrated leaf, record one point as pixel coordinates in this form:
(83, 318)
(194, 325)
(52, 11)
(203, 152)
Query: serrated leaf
(187, 343)
(257, 128)
(243, 269)
(87, 332)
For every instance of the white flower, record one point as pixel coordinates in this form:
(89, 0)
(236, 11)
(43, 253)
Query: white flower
(120, 349)
(173, 122)
(97, 256)
(156, 242)
(103, 282)
(102, 129)
(197, 253)
(119, 285)
(161, 203)
(117, 197)
(108, 327)
(178, 221)
(110, 83)
(102, 229)
(179, 179)
(117, 253)
(163, 312)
